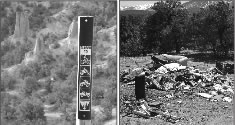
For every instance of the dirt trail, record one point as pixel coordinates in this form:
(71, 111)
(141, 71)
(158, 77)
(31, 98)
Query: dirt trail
(114, 119)
(49, 114)
(111, 122)
(12, 92)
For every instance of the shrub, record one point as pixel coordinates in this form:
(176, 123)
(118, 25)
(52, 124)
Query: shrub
(31, 110)
(97, 118)
(30, 85)
(70, 114)
(107, 105)
(97, 94)
(60, 72)
(63, 93)
(48, 85)
(51, 98)
(17, 54)
(7, 81)
(72, 79)
(24, 72)
(8, 110)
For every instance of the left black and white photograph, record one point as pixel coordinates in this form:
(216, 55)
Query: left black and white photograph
(58, 62)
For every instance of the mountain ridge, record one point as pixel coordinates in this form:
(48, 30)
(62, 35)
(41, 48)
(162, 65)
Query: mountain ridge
(190, 5)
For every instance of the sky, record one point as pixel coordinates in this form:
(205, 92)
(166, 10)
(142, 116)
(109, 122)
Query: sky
(133, 3)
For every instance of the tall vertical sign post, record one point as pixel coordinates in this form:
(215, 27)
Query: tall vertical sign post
(85, 38)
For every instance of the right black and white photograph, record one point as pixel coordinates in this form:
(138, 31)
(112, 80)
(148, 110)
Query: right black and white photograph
(176, 62)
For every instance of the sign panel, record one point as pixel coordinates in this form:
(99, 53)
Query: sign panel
(85, 67)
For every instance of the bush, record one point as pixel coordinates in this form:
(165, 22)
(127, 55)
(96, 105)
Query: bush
(72, 80)
(48, 85)
(60, 72)
(97, 94)
(7, 81)
(44, 71)
(70, 114)
(35, 69)
(8, 110)
(51, 98)
(17, 54)
(107, 105)
(97, 118)
(25, 71)
(31, 110)
(46, 58)
(37, 18)
(112, 64)
(6, 46)
(30, 85)
(63, 93)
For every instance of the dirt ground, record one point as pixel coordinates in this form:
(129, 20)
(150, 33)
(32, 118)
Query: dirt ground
(189, 107)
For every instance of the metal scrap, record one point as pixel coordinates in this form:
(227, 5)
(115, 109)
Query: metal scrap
(211, 84)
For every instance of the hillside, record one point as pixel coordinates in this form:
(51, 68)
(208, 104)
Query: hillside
(135, 12)
(39, 59)
(136, 7)
(190, 5)
(195, 5)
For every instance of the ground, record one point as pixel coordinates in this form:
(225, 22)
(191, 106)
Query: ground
(189, 107)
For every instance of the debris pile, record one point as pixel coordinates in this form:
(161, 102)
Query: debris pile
(211, 84)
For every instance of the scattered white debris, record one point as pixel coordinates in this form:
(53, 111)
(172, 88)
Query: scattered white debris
(227, 99)
(53, 114)
(180, 101)
(169, 67)
(206, 95)
(187, 87)
(136, 71)
(213, 93)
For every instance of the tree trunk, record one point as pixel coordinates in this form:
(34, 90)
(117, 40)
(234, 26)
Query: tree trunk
(224, 46)
(214, 48)
(177, 46)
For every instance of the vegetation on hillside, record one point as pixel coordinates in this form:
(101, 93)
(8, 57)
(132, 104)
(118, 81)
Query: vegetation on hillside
(52, 80)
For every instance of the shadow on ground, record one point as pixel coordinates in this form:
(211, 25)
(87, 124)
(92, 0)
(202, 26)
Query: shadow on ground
(208, 57)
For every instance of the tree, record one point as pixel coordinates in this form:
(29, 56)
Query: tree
(216, 26)
(37, 18)
(131, 24)
(6, 46)
(7, 19)
(17, 54)
(164, 30)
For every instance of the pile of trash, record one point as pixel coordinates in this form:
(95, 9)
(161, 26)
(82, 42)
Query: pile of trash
(150, 110)
(211, 84)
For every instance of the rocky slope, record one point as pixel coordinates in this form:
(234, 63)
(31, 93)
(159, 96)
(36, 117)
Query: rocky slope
(22, 25)
(66, 30)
